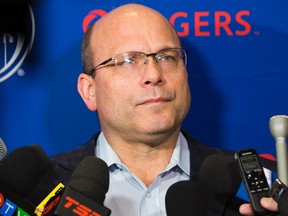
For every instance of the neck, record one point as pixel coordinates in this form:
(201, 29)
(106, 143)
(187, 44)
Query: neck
(144, 160)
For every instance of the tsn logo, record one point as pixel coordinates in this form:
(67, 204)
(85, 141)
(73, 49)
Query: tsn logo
(78, 208)
(8, 208)
(206, 23)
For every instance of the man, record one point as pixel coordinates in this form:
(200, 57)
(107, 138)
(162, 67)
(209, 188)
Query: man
(135, 79)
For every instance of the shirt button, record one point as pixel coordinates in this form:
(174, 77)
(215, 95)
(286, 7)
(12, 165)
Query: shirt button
(148, 195)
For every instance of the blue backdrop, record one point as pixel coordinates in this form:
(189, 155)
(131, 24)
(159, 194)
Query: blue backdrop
(237, 63)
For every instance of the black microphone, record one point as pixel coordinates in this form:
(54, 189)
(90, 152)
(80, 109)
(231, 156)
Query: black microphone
(221, 174)
(279, 192)
(186, 198)
(282, 204)
(85, 192)
(20, 172)
(213, 195)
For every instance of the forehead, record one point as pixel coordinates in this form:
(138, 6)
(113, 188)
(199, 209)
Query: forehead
(145, 31)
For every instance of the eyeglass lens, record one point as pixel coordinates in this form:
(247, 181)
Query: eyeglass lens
(168, 60)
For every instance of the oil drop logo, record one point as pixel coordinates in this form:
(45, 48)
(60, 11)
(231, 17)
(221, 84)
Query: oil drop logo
(14, 48)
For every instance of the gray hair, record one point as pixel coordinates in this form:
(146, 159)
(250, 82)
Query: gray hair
(86, 52)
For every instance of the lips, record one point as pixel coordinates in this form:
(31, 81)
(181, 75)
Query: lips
(154, 101)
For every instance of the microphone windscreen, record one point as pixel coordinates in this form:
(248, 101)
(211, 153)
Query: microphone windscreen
(221, 174)
(186, 198)
(282, 204)
(91, 177)
(23, 168)
(3, 150)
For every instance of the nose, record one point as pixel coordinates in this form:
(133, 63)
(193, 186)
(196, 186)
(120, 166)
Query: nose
(152, 75)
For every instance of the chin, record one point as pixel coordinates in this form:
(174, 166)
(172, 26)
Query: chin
(156, 130)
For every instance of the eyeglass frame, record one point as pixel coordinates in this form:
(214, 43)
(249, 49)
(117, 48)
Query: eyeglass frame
(90, 73)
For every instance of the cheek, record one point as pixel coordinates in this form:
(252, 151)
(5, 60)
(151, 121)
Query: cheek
(179, 81)
(183, 90)
(112, 94)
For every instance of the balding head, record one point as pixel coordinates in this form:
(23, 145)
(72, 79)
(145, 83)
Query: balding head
(123, 25)
(140, 101)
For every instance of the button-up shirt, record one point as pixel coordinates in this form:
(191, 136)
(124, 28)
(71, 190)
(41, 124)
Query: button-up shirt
(128, 195)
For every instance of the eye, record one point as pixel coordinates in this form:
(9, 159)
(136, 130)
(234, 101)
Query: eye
(127, 59)
(121, 61)
(167, 58)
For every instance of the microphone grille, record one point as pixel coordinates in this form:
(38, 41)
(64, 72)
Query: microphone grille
(23, 168)
(186, 198)
(91, 177)
(3, 150)
(220, 172)
(278, 125)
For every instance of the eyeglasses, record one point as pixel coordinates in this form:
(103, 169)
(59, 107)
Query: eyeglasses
(168, 60)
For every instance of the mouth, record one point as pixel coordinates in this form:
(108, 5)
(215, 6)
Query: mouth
(154, 101)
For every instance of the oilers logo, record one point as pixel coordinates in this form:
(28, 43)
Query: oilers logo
(91, 17)
(14, 48)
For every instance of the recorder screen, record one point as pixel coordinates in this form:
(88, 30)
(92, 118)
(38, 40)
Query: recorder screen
(250, 162)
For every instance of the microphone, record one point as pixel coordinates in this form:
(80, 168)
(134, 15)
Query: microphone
(212, 195)
(282, 204)
(279, 129)
(20, 172)
(3, 150)
(186, 198)
(53, 196)
(85, 191)
(220, 173)
(279, 192)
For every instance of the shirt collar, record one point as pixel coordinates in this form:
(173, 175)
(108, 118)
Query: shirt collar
(180, 156)
(105, 152)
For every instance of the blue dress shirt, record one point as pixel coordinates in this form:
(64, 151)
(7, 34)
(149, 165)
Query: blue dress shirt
(128, 195)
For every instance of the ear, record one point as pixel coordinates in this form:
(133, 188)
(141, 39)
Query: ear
(86, 88)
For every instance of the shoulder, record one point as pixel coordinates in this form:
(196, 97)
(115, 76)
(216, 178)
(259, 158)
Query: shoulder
(200, 150)
(68, 160)
(198, 153)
